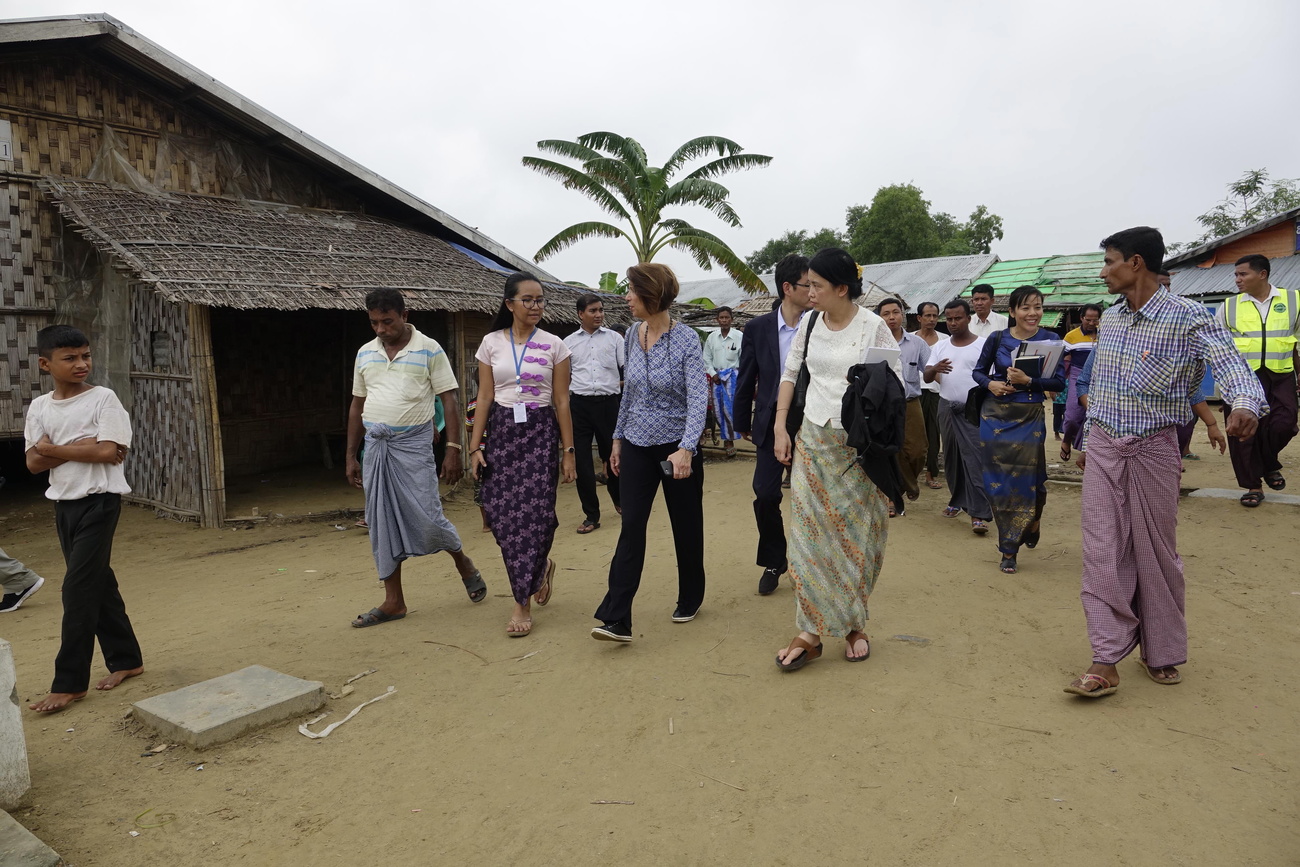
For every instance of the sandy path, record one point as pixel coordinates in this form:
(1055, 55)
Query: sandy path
(960, 751)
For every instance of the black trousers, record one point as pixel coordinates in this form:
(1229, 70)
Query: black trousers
(641, 477)
(930, 409)
(594, 417)
(92, 606)
(768, 472)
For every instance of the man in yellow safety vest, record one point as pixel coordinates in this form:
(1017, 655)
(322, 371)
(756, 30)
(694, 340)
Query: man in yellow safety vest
(1264, 321)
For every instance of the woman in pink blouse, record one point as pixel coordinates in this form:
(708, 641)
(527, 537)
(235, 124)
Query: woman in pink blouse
(524, 379)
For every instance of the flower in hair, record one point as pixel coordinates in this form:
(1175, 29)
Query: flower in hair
(859, 272)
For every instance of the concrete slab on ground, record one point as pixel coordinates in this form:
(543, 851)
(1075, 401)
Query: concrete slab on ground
(20, 847)
(15, 776)
(1235, 494)
(223, 708)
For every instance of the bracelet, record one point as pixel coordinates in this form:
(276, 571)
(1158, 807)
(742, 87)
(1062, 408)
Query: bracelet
(455, 446)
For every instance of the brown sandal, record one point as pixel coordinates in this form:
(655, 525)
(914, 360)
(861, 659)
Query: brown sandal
(853, 638)
(809, 654)
(1080, 684)
(543, 595)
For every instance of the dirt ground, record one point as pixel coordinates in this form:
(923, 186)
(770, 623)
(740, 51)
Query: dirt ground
(959, 748)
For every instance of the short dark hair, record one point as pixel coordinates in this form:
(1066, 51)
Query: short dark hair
(54, 337)
(981, 289)
(1083, 311)
(885, 302)
(837, 267)
(723, 309)
(1020, 295)
(1256, 262)
(957, 302)
(386, 300)
(1141, 241)
(789, 270)
(656, 285)
(1164, 272)
(920, 308)
(776, 304)
(588, 299)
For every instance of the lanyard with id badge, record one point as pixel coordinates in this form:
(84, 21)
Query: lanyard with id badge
(521, 411)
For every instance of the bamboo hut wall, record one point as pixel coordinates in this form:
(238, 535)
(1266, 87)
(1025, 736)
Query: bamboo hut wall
(163, 467)
(283, 379)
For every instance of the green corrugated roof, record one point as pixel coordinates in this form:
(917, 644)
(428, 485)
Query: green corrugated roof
(1063, 280)
(1051, 319)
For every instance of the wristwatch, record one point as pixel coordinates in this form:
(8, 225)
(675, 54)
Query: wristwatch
(569, 450)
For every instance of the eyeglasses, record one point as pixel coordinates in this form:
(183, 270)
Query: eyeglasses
(530, 302)
(803, 285)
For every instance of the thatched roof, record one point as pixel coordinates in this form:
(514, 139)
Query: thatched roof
(222, 252)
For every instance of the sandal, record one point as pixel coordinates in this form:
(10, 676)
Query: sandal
(1030, 538)
(1078, 687)
(934, 484)
(374, 617)
(1065, 452)
(1163, 681)
(1008, 564)
(1252, 499)
(1274, 480)
(809, 654)
(475, 586)
(951, 511)
(587, 526)
(519, 628)
(853, 638)
(542, 596)
(978, 527)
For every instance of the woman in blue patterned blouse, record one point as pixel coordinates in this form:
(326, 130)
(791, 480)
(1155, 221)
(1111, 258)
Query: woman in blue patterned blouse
(660, 421)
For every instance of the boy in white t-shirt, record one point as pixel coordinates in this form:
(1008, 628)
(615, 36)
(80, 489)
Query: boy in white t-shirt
(80, 433)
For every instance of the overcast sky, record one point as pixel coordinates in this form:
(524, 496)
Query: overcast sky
(1069, 120)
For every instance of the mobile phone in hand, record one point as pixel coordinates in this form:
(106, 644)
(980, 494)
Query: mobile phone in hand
(667, 467)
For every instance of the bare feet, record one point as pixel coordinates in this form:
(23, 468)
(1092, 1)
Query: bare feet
(115, 678)
(56, 701)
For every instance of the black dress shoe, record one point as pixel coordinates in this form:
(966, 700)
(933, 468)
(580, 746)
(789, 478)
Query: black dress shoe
(768, 582)
(612, 632)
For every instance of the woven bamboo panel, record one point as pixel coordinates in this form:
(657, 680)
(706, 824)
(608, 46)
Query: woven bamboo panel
(164, 465)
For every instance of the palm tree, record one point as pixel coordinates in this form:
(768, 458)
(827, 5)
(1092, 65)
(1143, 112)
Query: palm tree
(615, 174)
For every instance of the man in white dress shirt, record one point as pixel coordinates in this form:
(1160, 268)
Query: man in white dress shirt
(984, 321)
(596, 362)
(721, 361)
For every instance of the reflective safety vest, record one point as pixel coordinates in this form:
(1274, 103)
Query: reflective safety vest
(1271, 342)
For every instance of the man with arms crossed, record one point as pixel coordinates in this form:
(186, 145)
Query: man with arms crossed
(762, 361)
(963, 457)
(1146, 372)
(596, 356)
(1264, 321)
(396, 379)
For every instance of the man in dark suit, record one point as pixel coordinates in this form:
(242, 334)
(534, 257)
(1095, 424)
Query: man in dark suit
(767, 342)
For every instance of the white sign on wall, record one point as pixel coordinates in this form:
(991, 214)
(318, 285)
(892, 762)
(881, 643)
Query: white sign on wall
(6, 141)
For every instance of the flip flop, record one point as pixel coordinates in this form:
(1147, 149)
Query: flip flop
(1275, 481)
(1008, 565)
(374, 617)
(1252, 499)
(519, 633)
(588, 526)
(543, 595)
(978, 527)
(809, 654)
(476, 587)
(951, 511)
(1106, 688)
(1163, 681)
(852, 638)
(934, 484)
(1065, 452)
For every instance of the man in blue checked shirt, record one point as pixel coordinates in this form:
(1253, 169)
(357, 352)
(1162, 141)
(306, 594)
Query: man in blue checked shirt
(1147, 369)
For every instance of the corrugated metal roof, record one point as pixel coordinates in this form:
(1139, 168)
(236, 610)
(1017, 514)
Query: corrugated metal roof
(938, 279)
(1202, 250)
(1065, 281)
(1217, 280)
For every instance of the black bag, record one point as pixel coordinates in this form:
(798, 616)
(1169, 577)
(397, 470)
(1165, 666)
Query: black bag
(794, 416)
(975, 397)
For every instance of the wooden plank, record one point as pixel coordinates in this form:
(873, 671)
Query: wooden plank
(212, 468)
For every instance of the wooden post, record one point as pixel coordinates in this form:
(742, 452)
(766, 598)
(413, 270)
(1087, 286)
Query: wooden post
(462, 352)
(207, 419)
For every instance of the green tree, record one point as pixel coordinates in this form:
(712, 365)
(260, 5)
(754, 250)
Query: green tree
(1251, 198)
(613, 171)
(980, 230)
(765, 257)
(896, 226)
